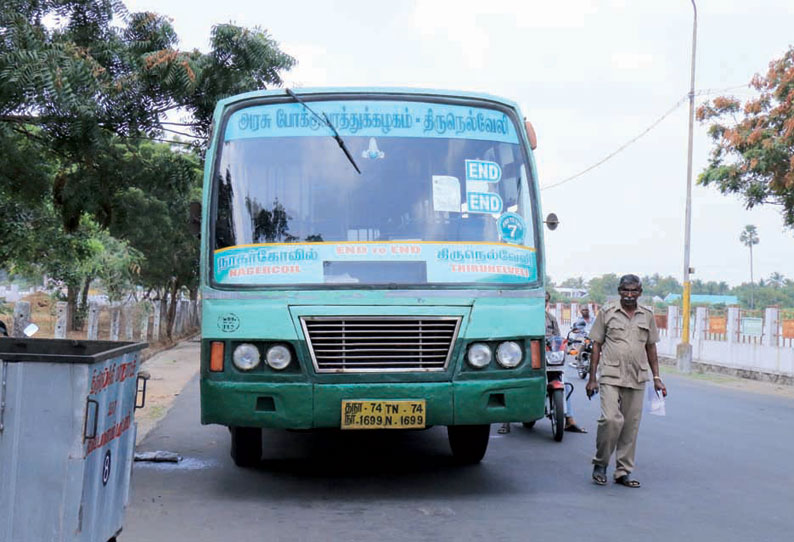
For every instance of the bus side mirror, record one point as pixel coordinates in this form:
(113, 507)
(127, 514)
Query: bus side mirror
(195, 218)
(533, 138)
(552, 221)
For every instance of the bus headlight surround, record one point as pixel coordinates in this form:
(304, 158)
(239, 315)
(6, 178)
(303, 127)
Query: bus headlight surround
(246, 357)
(278, 357)
(509, 354)
(479, 355)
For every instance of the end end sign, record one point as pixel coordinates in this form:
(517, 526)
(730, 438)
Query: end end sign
(483, 170)
(484, 202)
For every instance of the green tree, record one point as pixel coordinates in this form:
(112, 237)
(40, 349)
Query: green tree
(81, 92)
(154, 217)
(749, 237)
(657, 285)
(777, 280)
(84, 86)
(754, 143)
(765, 296)
(575, 282)
(74, 259)
(603, 287)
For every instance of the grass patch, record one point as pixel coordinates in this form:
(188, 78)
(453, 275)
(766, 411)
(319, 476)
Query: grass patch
(156, 411)
(703, 377)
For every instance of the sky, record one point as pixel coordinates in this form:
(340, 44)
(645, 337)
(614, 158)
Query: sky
(591, 76)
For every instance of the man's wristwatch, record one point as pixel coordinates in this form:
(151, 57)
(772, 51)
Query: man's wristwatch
(657, 377)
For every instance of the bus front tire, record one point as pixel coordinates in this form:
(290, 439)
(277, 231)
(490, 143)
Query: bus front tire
(246, 449)
(468, 442)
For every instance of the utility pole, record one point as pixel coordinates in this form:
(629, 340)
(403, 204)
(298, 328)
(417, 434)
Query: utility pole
(684, 350)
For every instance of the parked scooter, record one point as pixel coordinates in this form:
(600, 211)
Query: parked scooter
(579, 348)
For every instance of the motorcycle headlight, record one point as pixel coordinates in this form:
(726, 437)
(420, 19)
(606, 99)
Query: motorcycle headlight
(246, 357)
(509, 354)
(555, 358)
(278, 357)
(479, 355)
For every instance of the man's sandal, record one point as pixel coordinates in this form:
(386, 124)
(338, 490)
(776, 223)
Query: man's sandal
(600, 475)
(505, 428)
(573, 428)
(626, 481)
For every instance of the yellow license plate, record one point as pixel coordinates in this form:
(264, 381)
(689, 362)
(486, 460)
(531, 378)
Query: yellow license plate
(360, 414)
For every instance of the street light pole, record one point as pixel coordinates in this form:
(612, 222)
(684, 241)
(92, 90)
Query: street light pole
(684, 350)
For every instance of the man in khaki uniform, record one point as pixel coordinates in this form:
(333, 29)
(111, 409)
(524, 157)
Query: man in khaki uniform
(624, 338)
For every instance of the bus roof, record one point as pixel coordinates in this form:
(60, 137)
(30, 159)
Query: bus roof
(315, 91)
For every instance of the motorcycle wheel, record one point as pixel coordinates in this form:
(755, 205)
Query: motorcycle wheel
(557, 414)
(584, 366)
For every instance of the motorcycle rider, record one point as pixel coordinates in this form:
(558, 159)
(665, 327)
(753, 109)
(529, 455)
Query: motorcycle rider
(585, 322)
(582, 326)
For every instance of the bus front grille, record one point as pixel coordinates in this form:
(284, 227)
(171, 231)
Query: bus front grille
(358, 344)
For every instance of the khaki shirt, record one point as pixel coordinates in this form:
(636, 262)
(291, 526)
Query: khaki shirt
(624, 361)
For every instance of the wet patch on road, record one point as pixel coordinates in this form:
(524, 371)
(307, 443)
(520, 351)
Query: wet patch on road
(185, 463)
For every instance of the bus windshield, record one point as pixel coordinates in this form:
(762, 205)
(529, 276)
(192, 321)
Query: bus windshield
(442, 197)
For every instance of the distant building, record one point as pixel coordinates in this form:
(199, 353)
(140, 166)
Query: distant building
(573, 293)
(705, 298)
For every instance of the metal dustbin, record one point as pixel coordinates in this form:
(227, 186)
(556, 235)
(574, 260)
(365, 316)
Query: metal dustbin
(67, 437)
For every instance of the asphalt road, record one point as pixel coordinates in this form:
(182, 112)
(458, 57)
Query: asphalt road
(719, 466)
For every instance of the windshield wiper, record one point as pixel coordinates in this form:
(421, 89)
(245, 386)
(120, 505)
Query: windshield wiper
(324, 120)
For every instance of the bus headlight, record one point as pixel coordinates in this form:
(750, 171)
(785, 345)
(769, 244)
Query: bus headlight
(278, 357)
(509, 354)
(479, 355)
(246, 357)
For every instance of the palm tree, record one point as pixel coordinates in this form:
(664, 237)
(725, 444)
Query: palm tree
(749, 237)
(777, 280)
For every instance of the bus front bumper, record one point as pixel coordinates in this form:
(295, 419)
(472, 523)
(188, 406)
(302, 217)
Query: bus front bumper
(307, 405)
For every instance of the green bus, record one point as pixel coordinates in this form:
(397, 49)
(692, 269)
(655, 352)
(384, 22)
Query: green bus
(371, 259)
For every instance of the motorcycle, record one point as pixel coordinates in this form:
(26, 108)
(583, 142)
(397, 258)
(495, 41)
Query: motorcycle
(556, 386)
(579, 348)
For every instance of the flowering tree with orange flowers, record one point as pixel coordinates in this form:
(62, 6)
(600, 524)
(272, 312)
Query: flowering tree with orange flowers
(753, 154)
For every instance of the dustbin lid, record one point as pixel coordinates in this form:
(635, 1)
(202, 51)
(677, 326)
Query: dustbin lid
(64, 350)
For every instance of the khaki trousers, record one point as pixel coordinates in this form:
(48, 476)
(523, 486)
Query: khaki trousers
(621, 411)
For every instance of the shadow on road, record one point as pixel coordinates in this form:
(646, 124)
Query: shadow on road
(357, 466)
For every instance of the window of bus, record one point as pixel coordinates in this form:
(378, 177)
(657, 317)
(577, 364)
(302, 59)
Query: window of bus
(301, 189)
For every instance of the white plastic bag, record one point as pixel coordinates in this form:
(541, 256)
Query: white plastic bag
(654, 400)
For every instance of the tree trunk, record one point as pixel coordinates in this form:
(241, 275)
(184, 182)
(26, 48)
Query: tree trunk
(72, 291)
(175, 286)
(82, 310)
(752, 285)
